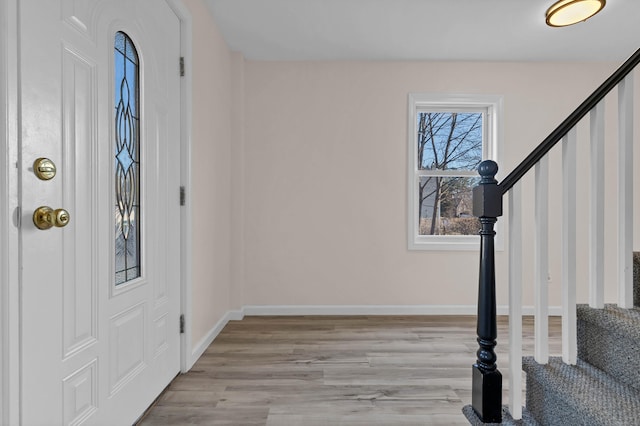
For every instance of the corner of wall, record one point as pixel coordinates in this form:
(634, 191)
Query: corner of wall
(211, 170)
(237, 180)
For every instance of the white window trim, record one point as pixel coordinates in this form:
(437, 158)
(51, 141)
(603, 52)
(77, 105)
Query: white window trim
(491, 151)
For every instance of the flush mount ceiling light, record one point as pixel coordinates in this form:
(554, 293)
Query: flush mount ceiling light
(569, 12)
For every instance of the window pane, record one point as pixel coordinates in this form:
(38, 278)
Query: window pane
(127, 166)
(446, 206)
(449, 140)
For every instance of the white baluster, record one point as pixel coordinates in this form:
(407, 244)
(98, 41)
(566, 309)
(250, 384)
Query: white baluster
(569, 339)
(625, 192)
(515, 301)
(541, 274)
(596, 204)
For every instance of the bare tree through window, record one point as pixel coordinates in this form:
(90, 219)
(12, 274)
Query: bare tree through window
(449, 149)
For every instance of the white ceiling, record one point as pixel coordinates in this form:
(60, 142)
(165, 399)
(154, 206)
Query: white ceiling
(486, 30)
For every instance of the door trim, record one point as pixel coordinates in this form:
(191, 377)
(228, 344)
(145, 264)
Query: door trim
(9, 217)
(186, 43)
(10, 142)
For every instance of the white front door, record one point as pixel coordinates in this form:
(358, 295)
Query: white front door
(99, 296)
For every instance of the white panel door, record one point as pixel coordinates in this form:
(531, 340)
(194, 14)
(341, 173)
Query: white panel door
(93, 352)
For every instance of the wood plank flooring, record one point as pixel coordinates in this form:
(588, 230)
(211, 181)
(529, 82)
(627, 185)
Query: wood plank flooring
(347, 371)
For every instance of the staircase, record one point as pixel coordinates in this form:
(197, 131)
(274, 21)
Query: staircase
(603, 388)
(596, 381)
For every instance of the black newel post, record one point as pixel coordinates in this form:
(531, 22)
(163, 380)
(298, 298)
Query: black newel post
(486, 398)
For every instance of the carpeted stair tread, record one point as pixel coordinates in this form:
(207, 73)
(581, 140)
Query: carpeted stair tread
(507, 420)
(609, 339)
(622, 321)
(561, 394)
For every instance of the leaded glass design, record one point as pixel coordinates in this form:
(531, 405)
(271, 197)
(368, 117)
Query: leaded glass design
(127, 160)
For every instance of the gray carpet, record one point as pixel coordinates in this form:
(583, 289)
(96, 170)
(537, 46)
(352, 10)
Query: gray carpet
(609, 339)
(561, 394)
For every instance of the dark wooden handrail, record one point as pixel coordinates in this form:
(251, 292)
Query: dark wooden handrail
(570, 122)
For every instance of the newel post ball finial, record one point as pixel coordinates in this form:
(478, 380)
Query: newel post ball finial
(488, 170)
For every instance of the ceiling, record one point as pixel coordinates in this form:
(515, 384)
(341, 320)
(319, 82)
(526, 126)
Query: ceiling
(437, 30)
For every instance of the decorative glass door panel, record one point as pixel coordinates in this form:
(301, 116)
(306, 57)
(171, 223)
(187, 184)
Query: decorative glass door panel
(127, 164)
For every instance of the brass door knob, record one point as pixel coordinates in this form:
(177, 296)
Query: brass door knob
(45, 217)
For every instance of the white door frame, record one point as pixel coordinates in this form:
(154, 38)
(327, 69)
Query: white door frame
(186, 43)
(10, 214)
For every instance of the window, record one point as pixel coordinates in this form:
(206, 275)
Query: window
(449, 135)
(127, 163)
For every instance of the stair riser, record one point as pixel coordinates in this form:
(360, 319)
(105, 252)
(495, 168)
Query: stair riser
(550, 409)
(610, 351)
(569, 395)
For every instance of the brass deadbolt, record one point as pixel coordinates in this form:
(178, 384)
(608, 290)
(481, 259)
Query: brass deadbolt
(44, 168)
(45, 217)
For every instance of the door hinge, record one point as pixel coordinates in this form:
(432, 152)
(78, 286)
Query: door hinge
(183, 196)
(182, 324)
(181, 66)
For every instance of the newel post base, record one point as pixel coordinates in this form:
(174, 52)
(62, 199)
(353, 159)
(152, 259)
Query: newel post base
(486, 398)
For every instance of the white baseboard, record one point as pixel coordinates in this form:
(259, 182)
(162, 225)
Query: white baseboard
(204, 343)
(287, 310)
(291, 310)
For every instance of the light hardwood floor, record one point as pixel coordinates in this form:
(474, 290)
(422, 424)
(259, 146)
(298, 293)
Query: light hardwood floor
(319, 371)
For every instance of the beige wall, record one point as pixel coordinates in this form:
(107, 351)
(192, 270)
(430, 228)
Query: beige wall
(211, 172)
(325, 176)
(299, 177)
